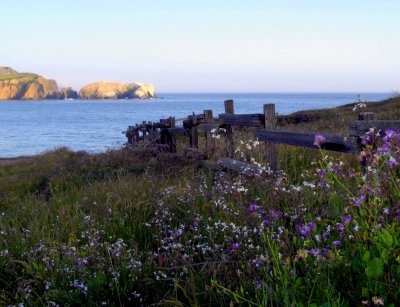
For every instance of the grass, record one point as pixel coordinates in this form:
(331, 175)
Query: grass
(338, 119)
(129, 227)
(17, 76)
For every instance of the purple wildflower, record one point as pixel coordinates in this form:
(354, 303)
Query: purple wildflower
(258, 284)
(253, 208)
(384, 148)
(347, 219)
(314, 252)
(389, 135)
(366, 139)
(235, 245)
(392, 162)
(359, 201)
(336, 243)
(259, 262)
(319, 140)
(305, 230)
(275, 214)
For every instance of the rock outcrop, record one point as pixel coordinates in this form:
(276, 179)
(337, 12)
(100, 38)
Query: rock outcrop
(114, 90)
(68, 93)
(14, 85)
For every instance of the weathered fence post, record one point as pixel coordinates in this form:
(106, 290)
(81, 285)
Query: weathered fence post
(229, 109)
(136, 135)
(144, 130)
(193, 137)
(366, 116)
(129, 135)
(270, 123)
(172, 138)
(210, 141)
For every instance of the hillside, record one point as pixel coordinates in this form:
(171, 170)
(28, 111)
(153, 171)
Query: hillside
(25, 86)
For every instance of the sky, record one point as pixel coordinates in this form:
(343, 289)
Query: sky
(208, 45)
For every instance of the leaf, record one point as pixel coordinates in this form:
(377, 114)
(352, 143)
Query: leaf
(375, 268)
(387, 238)
(365, 257)
(384, 255)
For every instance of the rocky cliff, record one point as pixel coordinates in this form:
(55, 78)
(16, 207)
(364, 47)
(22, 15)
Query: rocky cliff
(27, 86)
(14, 85)
(114, 90)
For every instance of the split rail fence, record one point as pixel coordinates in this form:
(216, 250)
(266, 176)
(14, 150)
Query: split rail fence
(165, 132)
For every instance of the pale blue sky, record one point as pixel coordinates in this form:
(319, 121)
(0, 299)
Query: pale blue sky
(208, 45)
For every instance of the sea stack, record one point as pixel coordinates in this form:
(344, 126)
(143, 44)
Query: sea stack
(114, 90)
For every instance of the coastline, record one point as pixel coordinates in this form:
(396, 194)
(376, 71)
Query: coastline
(308, 120)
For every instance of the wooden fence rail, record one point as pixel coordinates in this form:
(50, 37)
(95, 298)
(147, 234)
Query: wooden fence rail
(165, 132)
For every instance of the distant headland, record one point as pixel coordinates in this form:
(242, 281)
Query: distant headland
(29, 86)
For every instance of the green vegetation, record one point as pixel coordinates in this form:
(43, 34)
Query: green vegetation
(130, 227)
(338, 119)
(18, 76)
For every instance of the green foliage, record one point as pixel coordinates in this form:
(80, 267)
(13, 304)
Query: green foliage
(18, 76)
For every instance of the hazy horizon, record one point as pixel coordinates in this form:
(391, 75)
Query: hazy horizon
(211, 47)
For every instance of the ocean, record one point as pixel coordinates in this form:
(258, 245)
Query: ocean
(32, 127)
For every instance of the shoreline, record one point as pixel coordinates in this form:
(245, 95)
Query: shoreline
(291, 121)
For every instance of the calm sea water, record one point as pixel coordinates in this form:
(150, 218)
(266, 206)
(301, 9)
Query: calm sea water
(31, 127)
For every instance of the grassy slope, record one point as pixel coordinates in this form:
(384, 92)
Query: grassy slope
(17, 76)
(338, 119)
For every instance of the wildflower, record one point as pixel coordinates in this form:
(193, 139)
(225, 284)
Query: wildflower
(235, 245)
(253, 208)
(377, 301)
(314, 252)
(359, 201)
(259, 262)
(301, 254)
(309, 184)
(319, 140)
(258, 284)
(304, 231)
(360, 104)
(392, 162)
(347, 219)
(275, 214)
(47, 285)
(336, 243)
(389, 135)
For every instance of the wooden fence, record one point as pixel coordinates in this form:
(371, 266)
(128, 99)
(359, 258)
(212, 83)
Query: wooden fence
(164, 134)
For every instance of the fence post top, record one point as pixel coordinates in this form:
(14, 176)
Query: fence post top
(229, 109)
